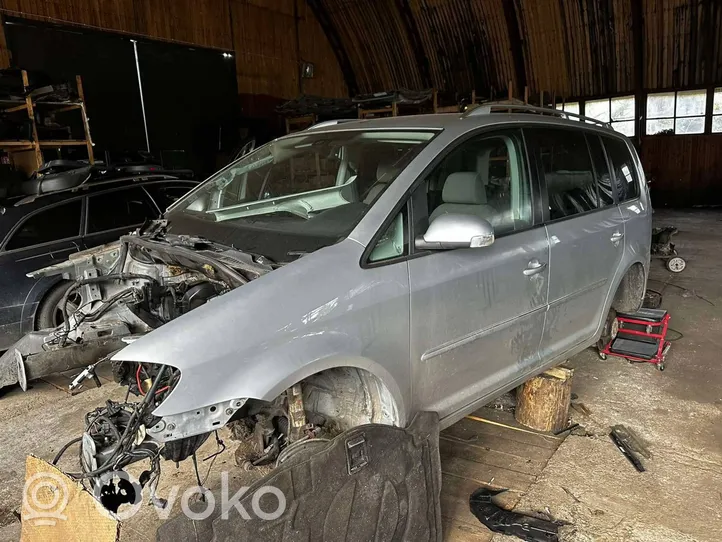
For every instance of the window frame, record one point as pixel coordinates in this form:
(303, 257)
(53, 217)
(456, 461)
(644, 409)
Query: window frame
(20, 223)
(88, 207)
(407, 198)
(190, 185)
(635, 164)
(611, 121)
(674, 116)
(541, 180)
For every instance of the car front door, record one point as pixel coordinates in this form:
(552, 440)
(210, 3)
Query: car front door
(117, 212)
(43, 238)
(477, 314)
(585, 230)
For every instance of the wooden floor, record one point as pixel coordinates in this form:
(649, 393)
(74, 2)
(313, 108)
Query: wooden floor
(487, 448)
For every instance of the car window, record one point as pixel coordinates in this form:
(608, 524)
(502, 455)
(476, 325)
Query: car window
(484, 176)
(624, 172)
(394, 242)
(601, 170)
(166, 195)
(119, 209)
(53, 224)
(566, 165)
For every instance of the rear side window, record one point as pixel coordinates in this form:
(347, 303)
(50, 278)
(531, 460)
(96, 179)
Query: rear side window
(624, 175)
(119, 209)
(601, 170)
(566, 165)
(166, 195)
(53, 224)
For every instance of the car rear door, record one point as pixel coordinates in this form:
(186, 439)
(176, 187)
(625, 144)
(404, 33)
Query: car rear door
(477, 314)
(585, 230)
(44, 237)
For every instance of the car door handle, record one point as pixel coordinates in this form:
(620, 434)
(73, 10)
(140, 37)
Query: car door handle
(533, 267)
(616, 237)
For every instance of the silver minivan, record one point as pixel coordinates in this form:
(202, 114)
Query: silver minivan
(364, 271)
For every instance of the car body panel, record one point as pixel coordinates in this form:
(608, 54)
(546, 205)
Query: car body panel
(333, 314)
(476, 319)
(583, 259)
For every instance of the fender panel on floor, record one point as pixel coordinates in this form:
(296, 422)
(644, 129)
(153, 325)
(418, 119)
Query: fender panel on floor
(373, 482)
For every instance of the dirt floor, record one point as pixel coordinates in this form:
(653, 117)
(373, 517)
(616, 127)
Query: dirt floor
(587, 482)
(678, 412)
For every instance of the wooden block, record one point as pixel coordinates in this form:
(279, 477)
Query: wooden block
(543, 401)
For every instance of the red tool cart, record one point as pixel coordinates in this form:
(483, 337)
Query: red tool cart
(640, 337)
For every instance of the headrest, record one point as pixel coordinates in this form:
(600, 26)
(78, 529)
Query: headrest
(464, 187)
(385, 172)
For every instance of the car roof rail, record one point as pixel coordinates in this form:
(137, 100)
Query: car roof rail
(516, 106)
(325, 123)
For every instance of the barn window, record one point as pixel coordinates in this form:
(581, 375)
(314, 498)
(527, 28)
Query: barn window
(619, 111)
(717, 111)
(676, 112)
(570, 107)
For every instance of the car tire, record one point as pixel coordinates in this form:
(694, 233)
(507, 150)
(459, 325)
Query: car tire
(49, 313)
(609, 331)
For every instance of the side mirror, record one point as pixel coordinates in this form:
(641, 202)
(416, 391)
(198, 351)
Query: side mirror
(451, 230)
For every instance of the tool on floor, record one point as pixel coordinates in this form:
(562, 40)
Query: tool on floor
(624, 447)
(663, 248)
(640, 337)
(499, 520)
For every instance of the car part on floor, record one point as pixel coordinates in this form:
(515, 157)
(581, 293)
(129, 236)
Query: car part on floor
(641, 337)
(499, 520)
(623, 445)
(373, 482)
(663, 248)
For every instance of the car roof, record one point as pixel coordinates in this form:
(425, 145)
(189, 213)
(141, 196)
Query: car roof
(19, 206)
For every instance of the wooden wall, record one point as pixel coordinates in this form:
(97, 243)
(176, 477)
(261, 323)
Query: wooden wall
(685, 170)
(263, 34)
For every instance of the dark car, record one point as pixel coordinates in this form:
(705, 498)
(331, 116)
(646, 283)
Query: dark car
(40, 230)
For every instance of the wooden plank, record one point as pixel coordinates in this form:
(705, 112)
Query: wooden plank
(483, 474)
(509, 440)
(63, 142)
(482, 452)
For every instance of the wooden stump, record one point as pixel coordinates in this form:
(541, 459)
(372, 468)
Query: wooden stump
(542, 403)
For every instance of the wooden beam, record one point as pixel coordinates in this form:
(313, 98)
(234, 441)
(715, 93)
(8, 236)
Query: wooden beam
(412, 32)
(516, 42)
(4, 51)
(324, 19)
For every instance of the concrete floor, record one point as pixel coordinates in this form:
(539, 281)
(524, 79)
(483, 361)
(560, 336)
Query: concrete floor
(587, 482)
(677, 412)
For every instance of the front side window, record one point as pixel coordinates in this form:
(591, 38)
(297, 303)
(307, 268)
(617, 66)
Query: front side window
(394, 242)
(623, 171)
(125, 208)
(485, 176)
(566, 165)
(166, 194)
(308, 190)
(53, 224)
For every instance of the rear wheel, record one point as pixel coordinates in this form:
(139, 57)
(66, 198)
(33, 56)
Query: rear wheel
(50, 313)
(609, 331)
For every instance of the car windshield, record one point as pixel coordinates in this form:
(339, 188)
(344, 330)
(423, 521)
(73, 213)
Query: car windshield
(312, 185)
